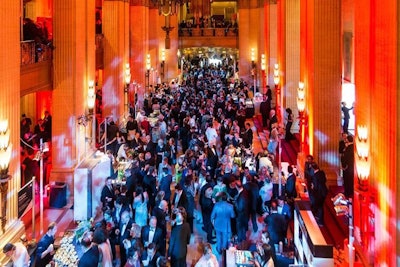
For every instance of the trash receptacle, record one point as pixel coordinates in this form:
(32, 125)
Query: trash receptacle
(58, 195)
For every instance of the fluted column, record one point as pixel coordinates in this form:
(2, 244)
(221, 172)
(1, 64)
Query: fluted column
(290, 55)
(10, 108)
(74, 66)
(249, 38)
(320, 70)
(116, 50)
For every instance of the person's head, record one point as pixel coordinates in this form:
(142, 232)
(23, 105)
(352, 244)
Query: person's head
(281, 200)
(118, 202)
(162, 261)
(132, 254)
(265, 237)
(290, 169)
(315, 166)
(9, 249)
(178, 188)
(125, 217)
(135, 230)
(99, 236)
(310, 158)
(52, 229)
(153, 222)
(350, 139)
(179, 218)
(87, 239)
(163, 205)
(107, 215)
(207, 251)
(109, 181)
(265, 251)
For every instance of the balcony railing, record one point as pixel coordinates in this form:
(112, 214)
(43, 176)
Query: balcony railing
(32, 52)
(208, 32)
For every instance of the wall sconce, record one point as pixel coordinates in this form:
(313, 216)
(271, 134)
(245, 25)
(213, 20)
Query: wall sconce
(91, 97)
(253, 58)
(147, 74)
(162, 62)
(363, 163)
(5, 158)
(127, 77)
(263, 62)
(301, 94)
(276, 74)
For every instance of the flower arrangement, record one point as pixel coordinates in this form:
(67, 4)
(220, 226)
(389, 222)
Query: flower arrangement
(83, 226)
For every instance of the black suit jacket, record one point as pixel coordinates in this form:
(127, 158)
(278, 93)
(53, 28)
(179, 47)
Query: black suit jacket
(90, 258)
(157, 238)
(161, 221)
(242, 205)
(114, 214)
(153, 261)
(253, 191)
(106, 192)
(180, 238)
(126, 234)
(277, 227)
(182, 202)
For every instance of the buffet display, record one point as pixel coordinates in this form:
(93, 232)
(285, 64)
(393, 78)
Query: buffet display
(69, 251)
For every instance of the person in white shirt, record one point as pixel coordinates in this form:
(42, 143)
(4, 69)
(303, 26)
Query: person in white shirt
(17, 253)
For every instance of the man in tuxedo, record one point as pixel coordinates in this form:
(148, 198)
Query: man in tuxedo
(165, 184)
(180, 238)
(242, 205)
(276, 224)
(207, 206)
(150, 256)
(120, 207)
(180, 199)
(108, 195)
(221, 216)
(152, 235)
(123, 232)
(252, 188)
(212, 159)
(284, 209)
(160, 213)
(290, 188)
(318, 192)
(247, 136)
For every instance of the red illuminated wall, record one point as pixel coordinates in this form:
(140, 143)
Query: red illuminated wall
(376, 78)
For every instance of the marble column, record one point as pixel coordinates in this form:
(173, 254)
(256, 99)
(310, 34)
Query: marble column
(10, 111)
(116, 55)
(320, 70)
(74, 67)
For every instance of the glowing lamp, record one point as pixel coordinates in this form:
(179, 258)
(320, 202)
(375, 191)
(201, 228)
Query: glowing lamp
(91, 98)
(263, 64)
(363, 164)
(301, 104)
(253, 55)
(276, 74)
(148, 62)
(127, 74)
(5, 149)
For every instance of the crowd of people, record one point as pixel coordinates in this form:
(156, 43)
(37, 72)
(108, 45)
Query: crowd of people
(190, 155)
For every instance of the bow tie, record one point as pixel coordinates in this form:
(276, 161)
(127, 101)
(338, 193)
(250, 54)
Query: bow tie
(152, 229)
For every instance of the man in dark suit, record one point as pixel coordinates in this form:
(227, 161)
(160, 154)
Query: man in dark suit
(265, 108)
(152, 234)
(165, 184)
(108, 195)
(247, 136)
(348, 167)
(221, 216)
(180, 199)
(150, 256)
(276, 224)
(252, 188)
(123, 232)
(180, 238)
(160, 213)
(91, 256)
(120, 207)
(207, 206)
(290, 188)
(212, 159)
(318, 192)
(242, 204)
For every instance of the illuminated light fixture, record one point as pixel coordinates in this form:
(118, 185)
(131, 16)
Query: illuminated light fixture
(127, 74)
(301, 94)
(276, 74)
(263, 62)
(168, 8)
(253, 57)
(5, 158)
(148, 62)
(363, 163)
(91, 98)
(162, 62)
